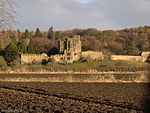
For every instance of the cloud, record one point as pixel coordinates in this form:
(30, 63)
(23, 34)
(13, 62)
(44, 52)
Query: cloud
(125, 13)
(84, 1)
(69, 14)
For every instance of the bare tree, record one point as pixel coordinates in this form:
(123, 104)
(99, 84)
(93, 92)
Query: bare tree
(7, 14)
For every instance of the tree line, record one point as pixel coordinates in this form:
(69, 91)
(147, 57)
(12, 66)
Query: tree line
(126, 41)
(13, 43)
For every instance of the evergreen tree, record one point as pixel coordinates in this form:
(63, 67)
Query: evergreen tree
(11, 52)
(31, 48)
(26, 34)
(18, 30)
(128, 46)
(19, 33)
(21, 46)
(51, 33)
(38, 33)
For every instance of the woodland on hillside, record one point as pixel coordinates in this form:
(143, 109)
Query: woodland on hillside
(127, 41)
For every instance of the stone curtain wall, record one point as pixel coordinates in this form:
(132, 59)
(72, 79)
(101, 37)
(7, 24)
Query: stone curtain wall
(57, 58)
(144, 56)
(93, 55)
(126, 57)
(33, 58)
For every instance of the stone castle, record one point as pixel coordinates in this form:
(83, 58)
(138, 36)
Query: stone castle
(69, 48)
(69, 51)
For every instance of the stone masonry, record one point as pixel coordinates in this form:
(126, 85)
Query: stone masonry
(143, 58)
(70, 44)
(69, 47)
(33, 58)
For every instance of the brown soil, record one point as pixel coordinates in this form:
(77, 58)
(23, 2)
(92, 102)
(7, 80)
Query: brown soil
(74, 97)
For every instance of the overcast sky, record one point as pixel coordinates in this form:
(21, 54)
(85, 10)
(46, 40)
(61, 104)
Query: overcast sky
(69, 14)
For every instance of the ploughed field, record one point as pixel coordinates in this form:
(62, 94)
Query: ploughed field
(74, 97)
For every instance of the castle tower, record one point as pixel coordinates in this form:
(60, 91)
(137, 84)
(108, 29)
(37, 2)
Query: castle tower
(69, 47)
(77, 44)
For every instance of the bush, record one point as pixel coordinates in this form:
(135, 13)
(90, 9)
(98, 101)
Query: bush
(15, 64)
(2, 62)
(11, 53)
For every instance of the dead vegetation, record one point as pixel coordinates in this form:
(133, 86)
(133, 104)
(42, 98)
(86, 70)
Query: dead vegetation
(141, 77)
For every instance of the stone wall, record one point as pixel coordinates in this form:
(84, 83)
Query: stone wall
(57, 58)
(126, 57)
(93, 55)
(33, 58)
(67, 57)
(145, 56)
(63, 58)
(70, 57)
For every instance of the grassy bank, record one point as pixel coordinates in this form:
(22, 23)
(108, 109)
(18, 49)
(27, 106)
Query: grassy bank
(94, 66)
(81, 67)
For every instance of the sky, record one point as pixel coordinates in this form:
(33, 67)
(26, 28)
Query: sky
(70, 14)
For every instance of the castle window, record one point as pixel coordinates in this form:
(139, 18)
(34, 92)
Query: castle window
(68, 58)
(59, 46)
(65, 44)
(68, 45)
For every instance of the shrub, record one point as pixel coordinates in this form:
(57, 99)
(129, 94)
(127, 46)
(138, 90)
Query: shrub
(11, 53)
(2, 62)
